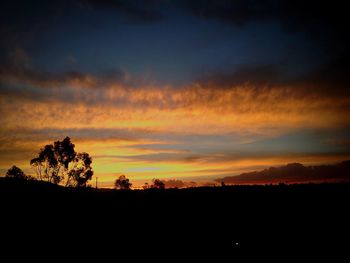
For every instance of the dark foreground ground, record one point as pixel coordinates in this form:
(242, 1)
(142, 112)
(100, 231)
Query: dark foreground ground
(230, 221)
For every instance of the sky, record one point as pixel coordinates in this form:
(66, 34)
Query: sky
(185, 90)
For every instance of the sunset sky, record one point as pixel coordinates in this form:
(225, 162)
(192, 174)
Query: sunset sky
(188, 90)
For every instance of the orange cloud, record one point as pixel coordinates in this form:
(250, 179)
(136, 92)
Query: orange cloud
(205, 110)
(111, 122)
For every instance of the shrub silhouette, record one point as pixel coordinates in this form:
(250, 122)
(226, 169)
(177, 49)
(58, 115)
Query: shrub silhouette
(122, 183)
(16, 172)
(158, 184)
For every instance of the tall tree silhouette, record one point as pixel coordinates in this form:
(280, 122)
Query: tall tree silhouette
(59, 161)
(122, 183)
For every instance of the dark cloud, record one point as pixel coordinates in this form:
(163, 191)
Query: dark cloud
(26, 83)
(324, 23)
(329, 78)
(293, 173)
(24, 21)
(257, 75)
(311, 16)
(22, 135)
(294, 15)
(40, 78)
(133, 11)
(237, 12)
(48, 11)
(16, 68)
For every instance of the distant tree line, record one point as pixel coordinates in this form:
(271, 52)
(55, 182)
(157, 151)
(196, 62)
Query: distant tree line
(123, 183)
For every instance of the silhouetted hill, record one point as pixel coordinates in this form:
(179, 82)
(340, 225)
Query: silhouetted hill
(23, 185)
(230, 220)
(293, 173)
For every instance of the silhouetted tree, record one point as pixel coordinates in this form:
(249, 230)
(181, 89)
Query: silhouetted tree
(16, 172)
(81, 172)
(56, 161)
(122, 183)
(46, 165)
(158, 184)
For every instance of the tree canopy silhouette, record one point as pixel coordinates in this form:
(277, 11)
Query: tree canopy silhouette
(60, 161)
(122, 183)
(81, 172)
